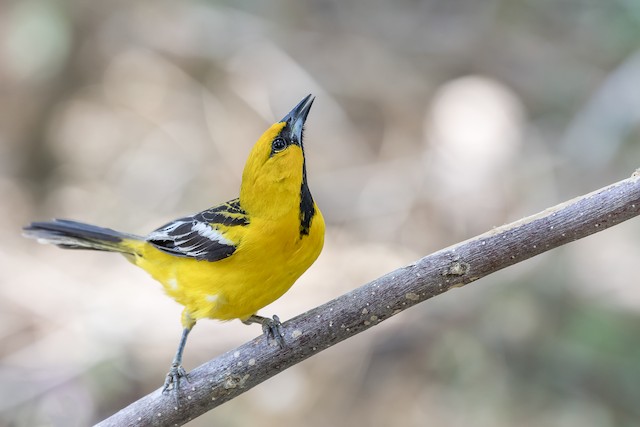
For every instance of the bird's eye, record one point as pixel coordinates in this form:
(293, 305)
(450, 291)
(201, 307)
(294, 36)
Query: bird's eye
(278, 144)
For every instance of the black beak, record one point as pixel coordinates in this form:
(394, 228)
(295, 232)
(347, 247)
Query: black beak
(296, 118)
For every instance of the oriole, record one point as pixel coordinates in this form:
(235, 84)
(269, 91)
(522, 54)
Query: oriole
(229, 261)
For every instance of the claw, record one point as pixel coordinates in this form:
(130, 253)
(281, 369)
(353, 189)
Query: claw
(172, 382)
(272, 328)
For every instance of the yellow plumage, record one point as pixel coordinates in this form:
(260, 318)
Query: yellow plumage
(231, 260)
(270, 254)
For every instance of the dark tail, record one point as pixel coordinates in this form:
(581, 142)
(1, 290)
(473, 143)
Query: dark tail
(77, 235)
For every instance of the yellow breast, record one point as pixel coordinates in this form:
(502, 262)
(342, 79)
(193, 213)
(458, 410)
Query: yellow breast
(270, 257)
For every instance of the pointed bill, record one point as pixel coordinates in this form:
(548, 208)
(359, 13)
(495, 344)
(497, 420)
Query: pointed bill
(296, 118)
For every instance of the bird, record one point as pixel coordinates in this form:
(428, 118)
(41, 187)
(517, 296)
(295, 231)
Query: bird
(231, 260)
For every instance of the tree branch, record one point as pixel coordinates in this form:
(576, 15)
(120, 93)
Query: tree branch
(237, 371)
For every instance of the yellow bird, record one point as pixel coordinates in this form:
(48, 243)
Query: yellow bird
(229, 261)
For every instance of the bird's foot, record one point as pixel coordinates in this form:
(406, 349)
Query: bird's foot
(272, 328)
(172, 382)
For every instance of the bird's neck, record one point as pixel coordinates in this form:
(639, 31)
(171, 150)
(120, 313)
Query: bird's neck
(307, 205)
(275, 197)
(271, 194)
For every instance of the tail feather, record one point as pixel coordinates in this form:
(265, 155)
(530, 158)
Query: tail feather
(77, 235)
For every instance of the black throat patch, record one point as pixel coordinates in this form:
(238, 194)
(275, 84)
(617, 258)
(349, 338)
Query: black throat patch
(307, 209)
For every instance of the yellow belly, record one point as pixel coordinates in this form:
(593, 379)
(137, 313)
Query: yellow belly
(269, 259)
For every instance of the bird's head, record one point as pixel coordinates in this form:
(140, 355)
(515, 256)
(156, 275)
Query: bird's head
(275, 171)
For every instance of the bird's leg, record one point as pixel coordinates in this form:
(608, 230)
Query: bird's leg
(272, 328)
(176, 372)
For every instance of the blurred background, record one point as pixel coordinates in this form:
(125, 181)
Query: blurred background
(434, 121)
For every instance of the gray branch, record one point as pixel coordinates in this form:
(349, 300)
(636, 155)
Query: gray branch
(237, 371)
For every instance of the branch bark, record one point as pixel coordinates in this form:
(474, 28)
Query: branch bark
(225, 377)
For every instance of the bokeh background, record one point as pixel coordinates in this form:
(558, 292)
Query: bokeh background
(434, 121)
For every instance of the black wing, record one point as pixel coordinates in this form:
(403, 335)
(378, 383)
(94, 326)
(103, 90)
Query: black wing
(200, 236)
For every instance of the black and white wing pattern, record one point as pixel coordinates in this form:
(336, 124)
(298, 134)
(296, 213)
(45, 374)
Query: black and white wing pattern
(201, 236)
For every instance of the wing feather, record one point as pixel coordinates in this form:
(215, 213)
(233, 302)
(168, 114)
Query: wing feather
(201, 236)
